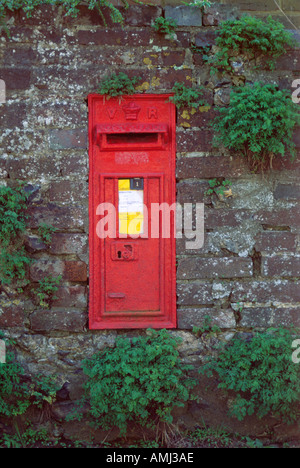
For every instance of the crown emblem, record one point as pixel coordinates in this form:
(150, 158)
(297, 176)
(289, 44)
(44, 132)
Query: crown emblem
(131, 110)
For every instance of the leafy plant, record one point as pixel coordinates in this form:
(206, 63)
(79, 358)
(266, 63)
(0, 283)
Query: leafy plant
(261, 373)
(252, 36)
(17, 391)
(46, 231)
(138, 381)
(212, 438)
(202, 4)
(13, 258)
(165, 25)
(258, 123)
(203, 50)
(71, 7)
(219, 187)
(187, 97)
(46, 290)
(27, 439)
(12, 213)
(13, 265)
(118, 85)
(206, 327)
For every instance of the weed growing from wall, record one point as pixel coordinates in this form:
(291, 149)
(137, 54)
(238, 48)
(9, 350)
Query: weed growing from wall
(140, 380)
(118, 85)
(165, 26)
(46, 290)
(261, 373)
(71, 8)
(46, 231)
(258, 123)
(249, 36)
(17, 391)
(221, 188)
(13, 258)
(185, 96)
(202, 4)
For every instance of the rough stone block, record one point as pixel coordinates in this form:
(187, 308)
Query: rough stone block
(189, 318)
(190, 141)
(289, 61)
(68, 191)
(188, 118)
(11, 315)
(62, 217)
(34, 244)
(184, 15)
(264, 317)
(191, 191)
(167, 78)
(16, 78)
(21, 141)
(68, 139)
(281, 265)
(71, 296)
(19, 57)
(194, 294)
(141, 15)
(70, 270)
(206, 167)
(275, 241)
(226, 267)
(75, 271)
(279, 218)
(71, 319)
(69, 243)
(290, 5)
(222, 218)
(74, 164)
(12, 114)
(267, 291)
(214, 15)
(31, 168)
(287, 191)
(253, 5)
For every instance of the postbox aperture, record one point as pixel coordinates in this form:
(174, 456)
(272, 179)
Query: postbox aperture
(132, 169)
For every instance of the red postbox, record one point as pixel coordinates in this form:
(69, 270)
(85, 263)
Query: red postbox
(132, 181)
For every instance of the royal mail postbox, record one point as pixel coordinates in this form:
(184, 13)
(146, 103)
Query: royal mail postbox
(132, 199)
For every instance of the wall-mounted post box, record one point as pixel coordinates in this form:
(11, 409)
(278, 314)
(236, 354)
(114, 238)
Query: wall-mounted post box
(132, 181)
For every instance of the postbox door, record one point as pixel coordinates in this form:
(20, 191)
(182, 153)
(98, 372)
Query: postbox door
(132, 265)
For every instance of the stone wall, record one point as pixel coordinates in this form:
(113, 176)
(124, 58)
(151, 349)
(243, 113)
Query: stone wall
(246, 275)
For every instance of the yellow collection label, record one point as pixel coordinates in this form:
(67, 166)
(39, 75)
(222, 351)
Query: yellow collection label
(131, 213)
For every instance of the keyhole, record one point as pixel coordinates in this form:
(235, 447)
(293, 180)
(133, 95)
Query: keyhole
(119, 254)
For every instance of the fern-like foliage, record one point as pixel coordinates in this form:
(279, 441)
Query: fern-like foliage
(139, 381)
(258, 123)
(71, 7)
(253, 36)
(118, 85)
(261, 373)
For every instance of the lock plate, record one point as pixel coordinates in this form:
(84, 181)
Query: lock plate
(124, 251)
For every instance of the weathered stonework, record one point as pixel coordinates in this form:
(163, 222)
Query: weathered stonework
(246, 276)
